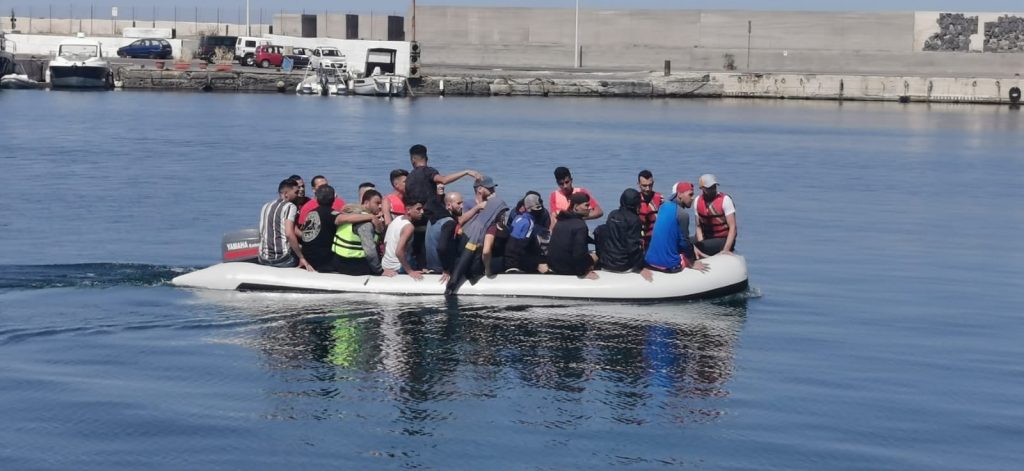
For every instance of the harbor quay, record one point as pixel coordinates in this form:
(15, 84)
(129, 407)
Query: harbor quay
(936, 56)
(640, 84)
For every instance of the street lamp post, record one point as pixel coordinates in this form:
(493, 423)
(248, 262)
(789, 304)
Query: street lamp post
(248, 27)
(576, 44)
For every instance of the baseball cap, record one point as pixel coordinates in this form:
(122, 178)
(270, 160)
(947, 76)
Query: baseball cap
(707, 180)
(486, 182)
(681, 187)
(532, 203)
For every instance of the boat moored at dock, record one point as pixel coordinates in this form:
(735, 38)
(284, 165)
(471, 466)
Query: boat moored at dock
(79, 63)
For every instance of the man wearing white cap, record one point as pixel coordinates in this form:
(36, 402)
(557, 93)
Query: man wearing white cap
(716, 218)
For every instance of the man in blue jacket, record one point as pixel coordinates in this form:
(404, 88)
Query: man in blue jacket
(670, 250)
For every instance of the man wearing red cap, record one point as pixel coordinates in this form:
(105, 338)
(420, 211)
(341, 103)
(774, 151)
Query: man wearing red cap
(670, 249)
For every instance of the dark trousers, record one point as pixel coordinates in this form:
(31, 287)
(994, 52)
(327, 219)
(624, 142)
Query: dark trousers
(351, 266)
(712, 246)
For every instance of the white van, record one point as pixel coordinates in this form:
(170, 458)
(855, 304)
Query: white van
(245, 49)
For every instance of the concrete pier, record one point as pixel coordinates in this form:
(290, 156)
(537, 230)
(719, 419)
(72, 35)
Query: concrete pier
(554, 83)
(208, 80)
(596, 83)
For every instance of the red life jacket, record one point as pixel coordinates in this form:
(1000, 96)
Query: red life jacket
(712, 217)
(559, 202)
(648, 215)
(397, 206)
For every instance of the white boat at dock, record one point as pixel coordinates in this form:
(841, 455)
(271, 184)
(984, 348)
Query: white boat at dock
(379, 85)
(79, 63)
(325, 81)
(379, 77)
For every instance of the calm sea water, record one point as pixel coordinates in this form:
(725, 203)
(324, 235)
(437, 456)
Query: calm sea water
(883, 329)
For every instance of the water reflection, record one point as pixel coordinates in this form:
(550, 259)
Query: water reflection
(552, 365)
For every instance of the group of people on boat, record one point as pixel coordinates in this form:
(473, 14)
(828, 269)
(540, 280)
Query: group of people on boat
(419, 227)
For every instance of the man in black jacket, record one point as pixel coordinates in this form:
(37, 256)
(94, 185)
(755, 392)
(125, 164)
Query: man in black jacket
(620, 240)
(568, 253)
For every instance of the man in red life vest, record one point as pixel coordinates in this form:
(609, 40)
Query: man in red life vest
(560, 197)
(716, 219)
(650, 202)
(393, 205)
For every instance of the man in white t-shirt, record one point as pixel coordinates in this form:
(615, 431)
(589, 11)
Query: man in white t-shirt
(716, 219)
(398, 239)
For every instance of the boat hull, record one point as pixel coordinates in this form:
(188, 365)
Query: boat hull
(377, 86)
(727, 275)
(80, 76)
(19, 82)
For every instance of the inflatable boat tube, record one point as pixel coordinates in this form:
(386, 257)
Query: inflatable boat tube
(727, 275)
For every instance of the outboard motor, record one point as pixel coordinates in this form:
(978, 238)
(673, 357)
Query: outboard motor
(1015, 95)
(241, 246)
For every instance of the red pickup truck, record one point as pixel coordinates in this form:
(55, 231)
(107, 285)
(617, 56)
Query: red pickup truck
(273, 56)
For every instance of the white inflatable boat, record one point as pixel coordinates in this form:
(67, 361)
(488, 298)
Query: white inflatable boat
(727, 275)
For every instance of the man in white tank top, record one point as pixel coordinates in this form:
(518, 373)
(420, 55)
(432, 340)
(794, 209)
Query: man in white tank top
(398, 240)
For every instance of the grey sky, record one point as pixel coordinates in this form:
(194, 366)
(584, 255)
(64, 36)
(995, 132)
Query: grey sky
(230, 8)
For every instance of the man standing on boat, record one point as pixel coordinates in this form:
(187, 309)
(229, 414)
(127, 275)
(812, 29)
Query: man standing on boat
(716, 219)
(427, 184)
(650, 201)
(279, 242)
(670, 250)
(424, 180)
(560, 197)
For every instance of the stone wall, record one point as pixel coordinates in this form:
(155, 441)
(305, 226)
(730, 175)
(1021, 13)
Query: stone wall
(1005, 34)
(825, 42)
(955, 31)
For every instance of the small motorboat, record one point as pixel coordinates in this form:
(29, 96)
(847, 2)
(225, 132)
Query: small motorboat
(79, 63)
(379, 85)
(379, 77)
(323, 81)
(19, 80)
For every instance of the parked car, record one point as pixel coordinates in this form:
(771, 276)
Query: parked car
(327, 57)
(273, 56)
(208, 46)
(147, 48)
(302, 54)
(245, 49)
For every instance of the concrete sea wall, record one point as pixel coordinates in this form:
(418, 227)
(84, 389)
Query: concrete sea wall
(882, 43)
(739, 85)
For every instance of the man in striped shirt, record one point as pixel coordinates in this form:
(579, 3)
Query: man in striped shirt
(279, 240)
